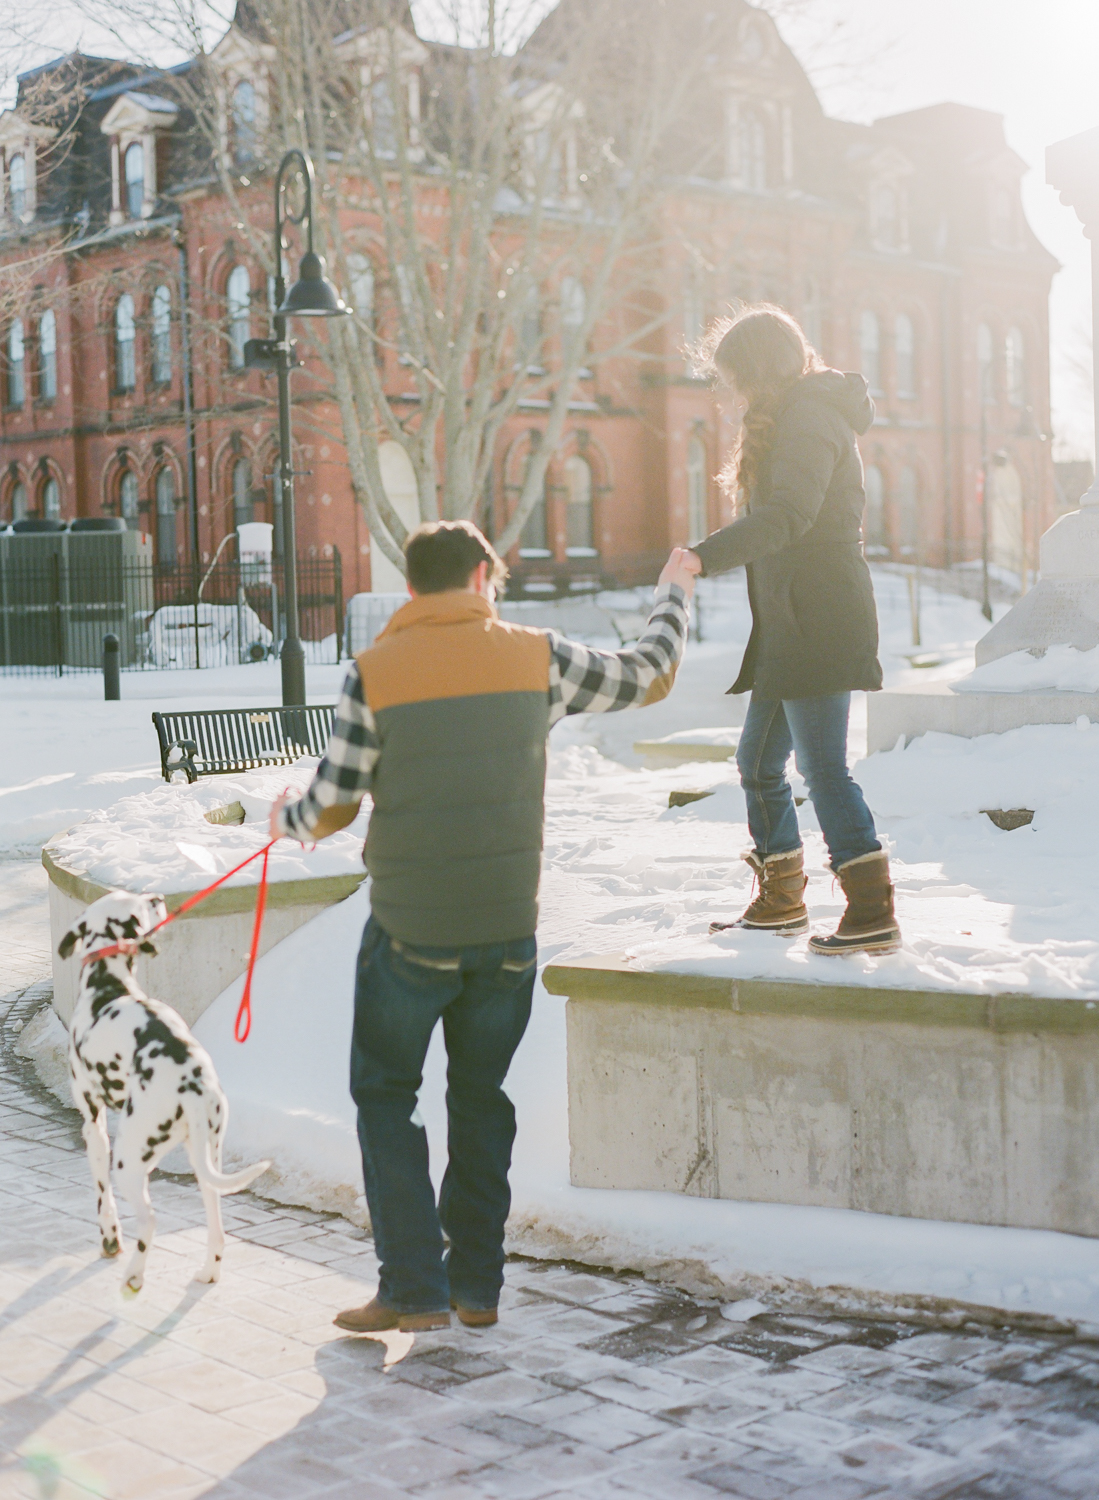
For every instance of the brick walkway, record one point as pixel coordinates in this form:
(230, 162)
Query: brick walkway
(594, 1386)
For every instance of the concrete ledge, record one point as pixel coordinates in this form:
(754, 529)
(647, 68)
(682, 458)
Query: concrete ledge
(206, 949)
(929, 1104)
(914, 710)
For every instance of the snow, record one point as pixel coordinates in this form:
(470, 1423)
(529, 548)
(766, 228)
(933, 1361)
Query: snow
(980, 908)
(159, 840)
(227, 633)
(1057, 669)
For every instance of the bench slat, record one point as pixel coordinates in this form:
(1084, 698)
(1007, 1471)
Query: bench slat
(211, 742)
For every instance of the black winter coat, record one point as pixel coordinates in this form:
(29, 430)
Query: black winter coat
(814, 624)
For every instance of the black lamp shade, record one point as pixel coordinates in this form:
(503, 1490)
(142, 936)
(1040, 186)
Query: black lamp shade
(313, 295)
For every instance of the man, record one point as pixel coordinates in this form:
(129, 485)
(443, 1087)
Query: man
(444, 721)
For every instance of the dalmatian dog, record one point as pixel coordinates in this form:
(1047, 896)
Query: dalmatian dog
(131, 1054)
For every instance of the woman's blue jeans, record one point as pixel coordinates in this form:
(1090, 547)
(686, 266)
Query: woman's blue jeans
(483, 997)
(815, 729)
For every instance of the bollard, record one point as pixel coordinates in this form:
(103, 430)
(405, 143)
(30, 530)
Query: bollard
(112, 688)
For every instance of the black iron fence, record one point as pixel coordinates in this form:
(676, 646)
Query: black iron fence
(56, 608)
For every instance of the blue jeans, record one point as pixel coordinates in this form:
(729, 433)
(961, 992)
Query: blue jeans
(483, 995)
(815, 729)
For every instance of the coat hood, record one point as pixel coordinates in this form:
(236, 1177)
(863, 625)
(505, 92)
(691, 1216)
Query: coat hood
(849, 394)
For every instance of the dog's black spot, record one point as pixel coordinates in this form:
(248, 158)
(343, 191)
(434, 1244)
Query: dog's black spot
(217, 1257)
(141, 1246)
(129, 1106)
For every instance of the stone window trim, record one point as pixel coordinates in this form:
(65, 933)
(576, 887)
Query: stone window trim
(19, 139)
(136, 119)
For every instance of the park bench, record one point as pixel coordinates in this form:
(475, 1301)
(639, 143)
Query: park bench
(211, 742)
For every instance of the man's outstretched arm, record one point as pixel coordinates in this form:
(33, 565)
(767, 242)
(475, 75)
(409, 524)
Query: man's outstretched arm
(586, 681)
(342, 779)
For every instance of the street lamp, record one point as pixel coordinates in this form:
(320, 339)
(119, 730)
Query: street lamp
(311, 296)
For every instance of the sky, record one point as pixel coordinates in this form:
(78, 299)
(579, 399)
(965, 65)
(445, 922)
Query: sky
(1033, 61)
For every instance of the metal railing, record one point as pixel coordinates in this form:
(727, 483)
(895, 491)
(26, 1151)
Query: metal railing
(55, 612)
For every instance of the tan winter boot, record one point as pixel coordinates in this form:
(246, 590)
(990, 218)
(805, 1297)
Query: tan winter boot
(780, 905)
(868, 925)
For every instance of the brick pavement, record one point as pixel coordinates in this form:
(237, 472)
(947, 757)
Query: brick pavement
(593, 1385)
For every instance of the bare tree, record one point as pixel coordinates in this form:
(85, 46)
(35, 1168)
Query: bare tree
(506, 186)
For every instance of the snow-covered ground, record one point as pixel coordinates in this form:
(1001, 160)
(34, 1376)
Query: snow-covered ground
(980, 908)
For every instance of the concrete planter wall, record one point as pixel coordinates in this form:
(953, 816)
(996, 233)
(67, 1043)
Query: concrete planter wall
(932, 1104)
(921, 707)
(206, 949)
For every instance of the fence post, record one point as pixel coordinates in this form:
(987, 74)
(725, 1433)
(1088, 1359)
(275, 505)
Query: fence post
(337, 593)
(112, 685)
(58, 630)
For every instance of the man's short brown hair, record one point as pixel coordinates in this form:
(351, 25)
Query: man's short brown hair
(441, 555)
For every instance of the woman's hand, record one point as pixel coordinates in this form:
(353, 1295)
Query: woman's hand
(682, 568)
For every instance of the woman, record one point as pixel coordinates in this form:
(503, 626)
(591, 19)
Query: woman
(814, 634)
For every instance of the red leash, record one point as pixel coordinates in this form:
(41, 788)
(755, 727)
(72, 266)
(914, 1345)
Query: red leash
(243, 1024)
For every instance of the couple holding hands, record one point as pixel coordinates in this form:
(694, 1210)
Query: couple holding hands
(444, 722)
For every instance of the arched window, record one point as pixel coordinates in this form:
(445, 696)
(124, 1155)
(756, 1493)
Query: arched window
(908, 512)
(125, 365)
(239, 294)
(166, 546)
(127, 498)
(17, 385)
(904, 356)
(162, 335)
(1015, 367)
(135, 179)
(242, 492)
(986, 382)
(19, 502)
(885, 216)
(533, 537)
(574, 305)
(51, 500)
(698, 510)
(244, 120)
(752, 135)
(362, 286)
(873, 527)
(383, 117)
(870, 350)
(579, 530)
(17, 185)
(47, 355)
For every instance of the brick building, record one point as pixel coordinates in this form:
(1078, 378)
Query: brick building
(902, 247)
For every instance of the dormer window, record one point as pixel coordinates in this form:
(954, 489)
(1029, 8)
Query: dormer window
(17, 184)
(1001, 213)
(888, 216)
(244, 121)
(135, 179)
(133, 124)
(752, 142)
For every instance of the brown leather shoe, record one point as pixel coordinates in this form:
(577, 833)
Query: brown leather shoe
(780, 905)
(376, 1318)
(869, 924)
(476, 1317)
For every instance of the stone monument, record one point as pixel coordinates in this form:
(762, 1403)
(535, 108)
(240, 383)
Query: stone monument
(1062, 609)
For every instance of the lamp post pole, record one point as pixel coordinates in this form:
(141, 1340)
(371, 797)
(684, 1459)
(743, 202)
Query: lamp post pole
(311, 296)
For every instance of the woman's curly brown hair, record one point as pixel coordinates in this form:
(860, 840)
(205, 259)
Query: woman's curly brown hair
(762, 351)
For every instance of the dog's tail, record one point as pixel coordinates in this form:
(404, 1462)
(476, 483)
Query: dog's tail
(225, 1182)
(202, 1156)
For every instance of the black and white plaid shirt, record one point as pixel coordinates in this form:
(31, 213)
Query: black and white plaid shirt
(582, 680)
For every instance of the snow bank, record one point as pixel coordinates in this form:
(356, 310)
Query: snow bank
(289, 1100)
(1058, 669)
(160, 841)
